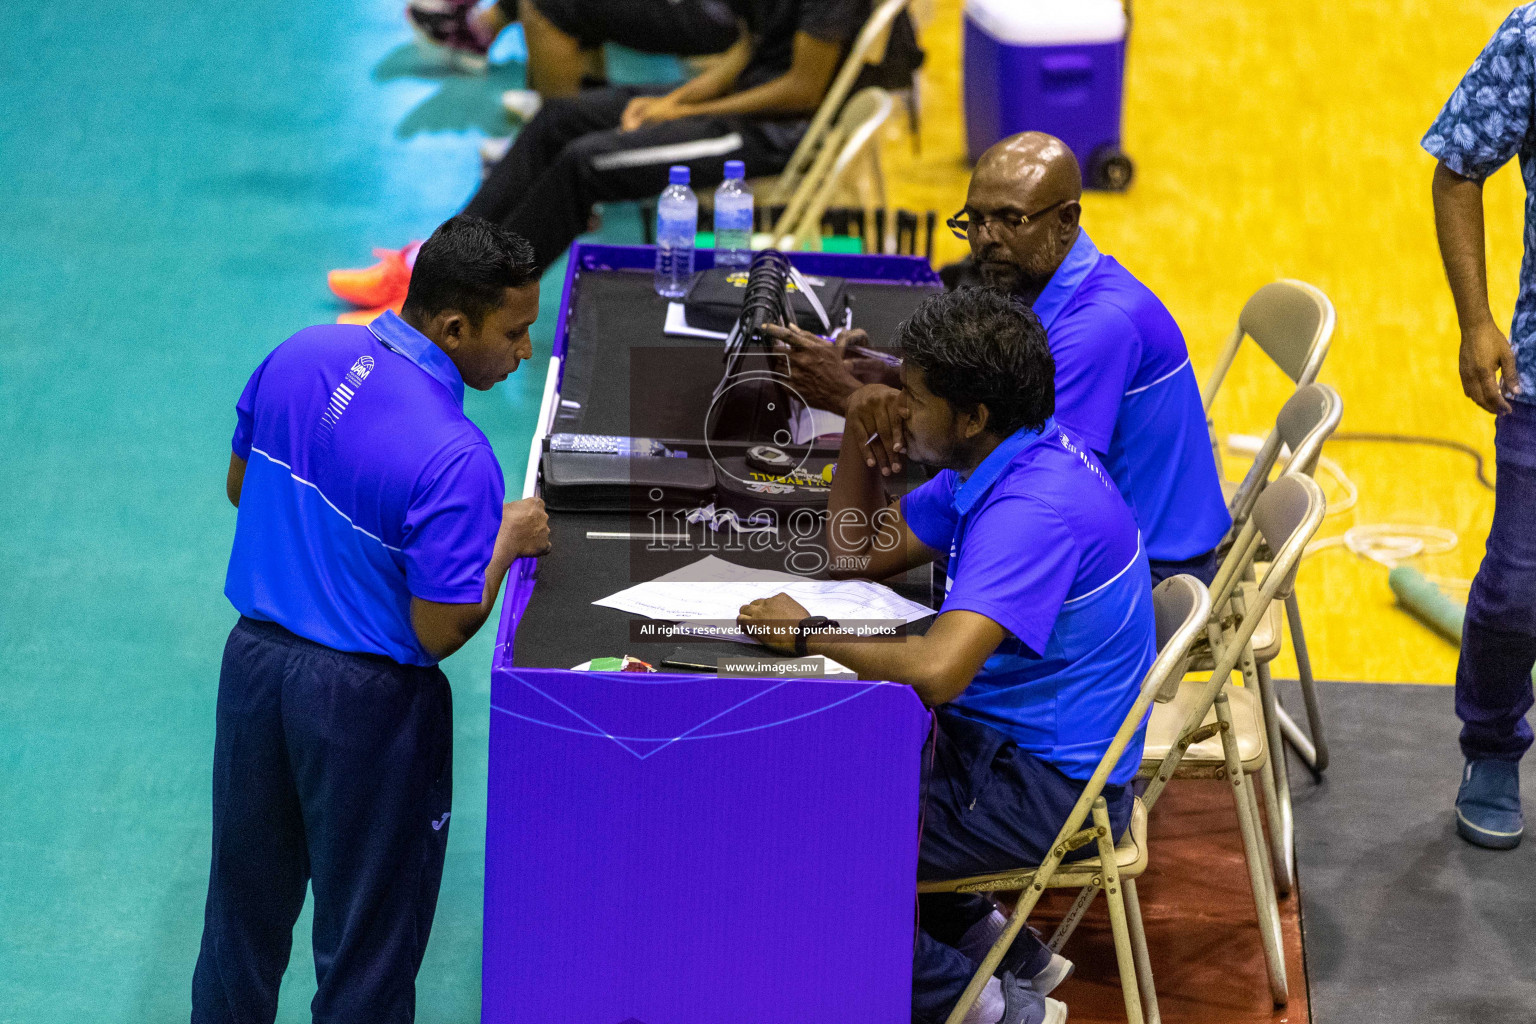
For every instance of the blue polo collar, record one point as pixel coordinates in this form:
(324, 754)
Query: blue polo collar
(1058, 291)
(973, 487)
(401, 337)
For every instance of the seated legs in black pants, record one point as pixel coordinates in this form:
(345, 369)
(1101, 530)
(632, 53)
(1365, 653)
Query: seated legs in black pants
(988, 806)
(573, 155)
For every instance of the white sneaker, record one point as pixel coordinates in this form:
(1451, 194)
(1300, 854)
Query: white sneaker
(491, 152)
(1056, 972)
(1023, 1005)
(523, 104)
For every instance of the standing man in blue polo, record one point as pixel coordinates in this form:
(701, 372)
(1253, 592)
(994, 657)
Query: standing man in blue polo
(1487, 121)
(371, 543)
(1124, 382)
(1043, 639)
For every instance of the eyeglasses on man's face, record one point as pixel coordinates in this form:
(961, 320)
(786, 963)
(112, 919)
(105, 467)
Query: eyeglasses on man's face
(966, 223)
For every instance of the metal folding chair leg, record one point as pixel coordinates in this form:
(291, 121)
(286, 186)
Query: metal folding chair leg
(1266, 855)
(1255, 853)
(1139, 950)
(1277, 789)
(1119, 927)
(1074, 917)
(1299, 741)
(1313, 751)
(1269, 914)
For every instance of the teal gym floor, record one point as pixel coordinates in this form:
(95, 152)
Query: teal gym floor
(175, 179)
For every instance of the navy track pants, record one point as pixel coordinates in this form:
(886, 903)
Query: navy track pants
(336, 770)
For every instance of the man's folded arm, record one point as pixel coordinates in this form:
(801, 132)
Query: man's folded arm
(798, 91)
(938, 665)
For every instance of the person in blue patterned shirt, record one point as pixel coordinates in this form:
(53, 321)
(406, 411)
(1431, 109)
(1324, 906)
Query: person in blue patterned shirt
(1488, 120)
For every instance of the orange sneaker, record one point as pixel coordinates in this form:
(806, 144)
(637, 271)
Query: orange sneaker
(382, 284)
(364, 317)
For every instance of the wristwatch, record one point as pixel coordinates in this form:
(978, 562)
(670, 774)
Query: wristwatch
(803, 630)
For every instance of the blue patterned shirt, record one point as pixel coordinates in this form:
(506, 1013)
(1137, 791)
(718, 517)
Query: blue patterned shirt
(1488, 120)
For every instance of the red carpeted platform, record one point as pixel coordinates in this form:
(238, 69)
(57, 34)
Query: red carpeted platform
(1201, 929)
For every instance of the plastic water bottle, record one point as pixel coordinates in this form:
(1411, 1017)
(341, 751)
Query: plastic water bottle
(677, 222)
(733, 218)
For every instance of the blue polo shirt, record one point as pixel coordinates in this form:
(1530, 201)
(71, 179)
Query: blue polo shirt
(365, 485)
(1125, 385)
(1040, 542)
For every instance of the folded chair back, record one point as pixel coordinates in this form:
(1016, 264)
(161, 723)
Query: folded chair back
(1292, 321)
(1308, 418)
(1181, 604)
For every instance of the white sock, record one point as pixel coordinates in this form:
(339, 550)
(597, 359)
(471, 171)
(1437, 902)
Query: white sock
(988, 1009)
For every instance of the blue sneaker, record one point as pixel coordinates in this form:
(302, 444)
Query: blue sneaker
(1488, 805)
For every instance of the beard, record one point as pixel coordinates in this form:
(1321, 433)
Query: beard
(924, 453)
(1025, 276)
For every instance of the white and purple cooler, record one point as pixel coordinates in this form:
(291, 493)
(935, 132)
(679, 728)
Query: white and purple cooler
(1055, 66)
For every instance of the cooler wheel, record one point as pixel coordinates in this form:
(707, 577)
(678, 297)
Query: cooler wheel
(1111, 170)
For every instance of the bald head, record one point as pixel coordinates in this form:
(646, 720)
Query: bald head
(1032, 167)
(1026, 189)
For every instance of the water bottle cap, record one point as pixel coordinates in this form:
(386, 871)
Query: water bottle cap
(678, 175)
(735, 169)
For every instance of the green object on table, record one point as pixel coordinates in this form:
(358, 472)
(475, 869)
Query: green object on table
(842, 243)
(1427, 602)
(606, 665)
(704, 240)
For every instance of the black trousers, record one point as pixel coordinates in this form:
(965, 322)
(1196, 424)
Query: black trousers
(1201, 567)
(572, 155)
(335, 770)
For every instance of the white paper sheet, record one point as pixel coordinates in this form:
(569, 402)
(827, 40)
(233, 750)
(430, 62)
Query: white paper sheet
(677, 325)
(705, 597)
(809, 424)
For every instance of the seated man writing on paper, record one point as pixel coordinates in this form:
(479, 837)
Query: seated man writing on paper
(1043, 638)
(1124, 383)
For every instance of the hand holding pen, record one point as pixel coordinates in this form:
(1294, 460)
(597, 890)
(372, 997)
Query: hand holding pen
(877, 416)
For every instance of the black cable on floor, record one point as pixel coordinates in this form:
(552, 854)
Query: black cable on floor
(1433, 442)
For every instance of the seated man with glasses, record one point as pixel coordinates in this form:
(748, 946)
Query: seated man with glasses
(1124, 382)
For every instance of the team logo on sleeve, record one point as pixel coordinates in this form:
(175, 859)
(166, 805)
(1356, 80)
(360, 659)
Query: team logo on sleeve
(1088, 463)
(345, 391)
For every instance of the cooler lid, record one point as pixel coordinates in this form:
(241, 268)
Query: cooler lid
(1049, 22)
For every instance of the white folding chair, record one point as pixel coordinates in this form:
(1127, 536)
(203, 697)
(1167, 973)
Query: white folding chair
(868, 48)
(1212, 729)
(1291, 321)
(849, 142)
(1182, 608)
(1304, 425)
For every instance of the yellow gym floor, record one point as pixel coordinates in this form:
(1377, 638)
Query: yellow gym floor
(1281, 139)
